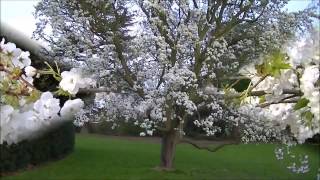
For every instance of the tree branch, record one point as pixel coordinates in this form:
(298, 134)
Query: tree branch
(283, 100)
(163, 32)
(128, 76)
(195, 4)
(255, 85)
(214, 149)
(161, 77)
(254, 93)
(93, 90)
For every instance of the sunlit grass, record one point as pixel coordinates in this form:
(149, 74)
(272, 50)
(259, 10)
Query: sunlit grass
(97, 157)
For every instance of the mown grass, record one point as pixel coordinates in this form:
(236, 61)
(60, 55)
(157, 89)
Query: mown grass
(98, 158)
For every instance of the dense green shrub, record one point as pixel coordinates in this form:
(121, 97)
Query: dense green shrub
(54, 144)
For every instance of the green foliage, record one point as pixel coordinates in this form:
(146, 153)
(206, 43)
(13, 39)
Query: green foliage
(61, 92)
(54, 72)
(303, 102)
(4, 85)
(11, 100)
(16, 72)
(34, 96)
(100, 157)
(54, 144)
(11, 90)
(262, 99)
(273, 64)
(308, 117)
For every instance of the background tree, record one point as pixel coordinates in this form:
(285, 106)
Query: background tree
(163, 63)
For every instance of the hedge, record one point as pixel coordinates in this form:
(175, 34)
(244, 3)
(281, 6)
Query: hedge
(53, 145)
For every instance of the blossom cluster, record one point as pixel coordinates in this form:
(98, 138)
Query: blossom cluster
(25, 111)
(301, 113)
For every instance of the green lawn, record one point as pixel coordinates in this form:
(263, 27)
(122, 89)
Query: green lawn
(98, 158)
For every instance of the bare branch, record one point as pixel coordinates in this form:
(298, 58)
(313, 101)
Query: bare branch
(195, 4)
(214, 149)
(287, 99)
(259, 93)
(161, 77)
(284, 91)
(93, 90)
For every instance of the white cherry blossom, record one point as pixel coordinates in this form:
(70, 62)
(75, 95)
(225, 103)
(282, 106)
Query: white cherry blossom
(47, 107)
(24, 119)
(30, 71)
(72, 81)
(70, 108)
(22, 60)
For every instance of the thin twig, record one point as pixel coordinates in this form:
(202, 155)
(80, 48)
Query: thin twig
(255, 85)
(26, 82)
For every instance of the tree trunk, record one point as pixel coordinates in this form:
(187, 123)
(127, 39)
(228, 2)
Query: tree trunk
(168, 148)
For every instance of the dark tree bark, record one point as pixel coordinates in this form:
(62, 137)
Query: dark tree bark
(168, 148)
